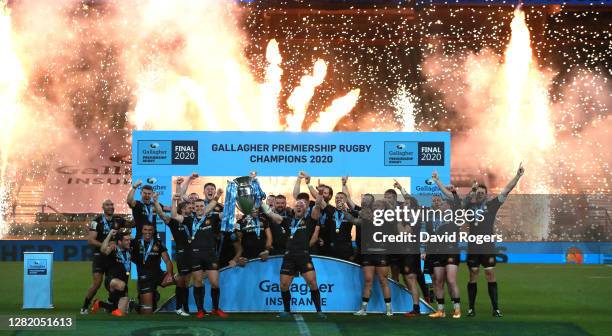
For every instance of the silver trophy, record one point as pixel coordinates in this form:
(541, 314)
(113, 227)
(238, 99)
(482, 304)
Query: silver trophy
(245, 194)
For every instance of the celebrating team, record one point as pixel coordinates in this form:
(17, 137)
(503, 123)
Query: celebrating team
(312, 226)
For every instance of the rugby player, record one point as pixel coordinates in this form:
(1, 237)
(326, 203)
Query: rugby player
(254, 236)
(204, 231)
(143, 210)
(407, 263)
(353, 209)
(371, 264)
(340, 233)
(280, 232)
(326, 218)
(99, 228)
(484, 254)
(304, 232)
(270, 200)
(120, 263)
(147, 253)
(444, 256)
(182, 239)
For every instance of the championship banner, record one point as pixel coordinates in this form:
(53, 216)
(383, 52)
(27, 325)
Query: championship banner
(256, 288)
(159, 155)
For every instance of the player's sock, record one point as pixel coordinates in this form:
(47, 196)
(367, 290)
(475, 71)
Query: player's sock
(178, 294)
(388, 304)
(364, 303)
(456, 303)
(472, 289)
(422, 283)
(156, 297)
(86, 303)
(440, 302)
(215, 293)
(416, 308)
(107, 306)
(493, 294)
(114, 297)
(316, 299)
(186, 299)
(198, 295)
(286, 295)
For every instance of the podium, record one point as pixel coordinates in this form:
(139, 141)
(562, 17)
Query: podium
(37, 280)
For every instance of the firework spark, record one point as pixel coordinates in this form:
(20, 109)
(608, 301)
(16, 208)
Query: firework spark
(405, 104)
(12, 81)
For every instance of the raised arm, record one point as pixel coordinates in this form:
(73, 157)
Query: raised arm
(296, 186)
(212, 204)
(436, 179)
(130, 196)
(313, 191)
(345, 190)
(471, 196)
(106, 247)
(504, 193)
(158, 208)
(276, 218)
(401, 189)
(179, 183)
(319, 206)
(174, 210)
(185, 185)
(408, 199)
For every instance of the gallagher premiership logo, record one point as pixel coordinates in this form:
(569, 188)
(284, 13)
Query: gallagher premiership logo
(164, 152)
(413, 153)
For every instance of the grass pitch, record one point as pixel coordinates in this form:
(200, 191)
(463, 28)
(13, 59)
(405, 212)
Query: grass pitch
(535, 299)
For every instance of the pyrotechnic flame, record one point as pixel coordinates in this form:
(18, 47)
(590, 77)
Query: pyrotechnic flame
(334, 112)
(527, 131)
(300, 97)
(198, 76)
(508, 109)
(527, 92)
(404, 103)
(272, 86)
(192, 75)
(12, 82)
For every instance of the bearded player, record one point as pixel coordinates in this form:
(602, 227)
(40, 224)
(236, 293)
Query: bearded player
(280, 233)
(99, 228)
(326, 218)
(116, 246)
(484, 254)
(304, 231)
